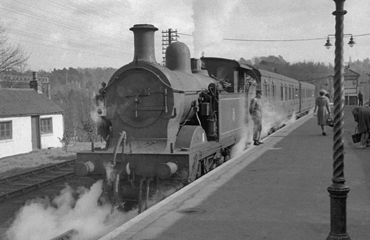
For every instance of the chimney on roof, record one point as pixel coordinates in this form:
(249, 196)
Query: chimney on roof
(33, 82)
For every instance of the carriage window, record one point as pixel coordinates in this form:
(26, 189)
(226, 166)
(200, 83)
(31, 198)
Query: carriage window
(286, 92)
(296, 93)
(282, 92)
(273, 91)
(265, 89)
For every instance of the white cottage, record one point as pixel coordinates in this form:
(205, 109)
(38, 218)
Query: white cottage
(28, 121)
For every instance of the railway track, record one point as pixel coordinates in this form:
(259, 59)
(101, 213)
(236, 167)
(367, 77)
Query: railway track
(20, 184)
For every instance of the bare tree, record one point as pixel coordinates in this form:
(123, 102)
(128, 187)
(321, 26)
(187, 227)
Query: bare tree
(11, 57)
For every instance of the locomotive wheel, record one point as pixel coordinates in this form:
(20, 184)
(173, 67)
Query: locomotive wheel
(210, 164)
(226, 155)
(199, 171)
(220, 161)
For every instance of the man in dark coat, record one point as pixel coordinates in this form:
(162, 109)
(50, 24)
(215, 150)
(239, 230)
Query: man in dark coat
(362, 117)
(360, 99)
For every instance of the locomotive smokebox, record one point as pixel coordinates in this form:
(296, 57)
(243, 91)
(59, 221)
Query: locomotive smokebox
(144, 42)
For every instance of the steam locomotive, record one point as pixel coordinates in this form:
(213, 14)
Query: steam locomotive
(177, 122)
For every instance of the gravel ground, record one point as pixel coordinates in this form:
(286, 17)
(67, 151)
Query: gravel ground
(41, 157)
(26, 162)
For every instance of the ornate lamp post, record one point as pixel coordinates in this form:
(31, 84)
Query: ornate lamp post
(338, 190)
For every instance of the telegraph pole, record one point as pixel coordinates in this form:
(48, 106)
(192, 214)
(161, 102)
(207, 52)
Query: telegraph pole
(168, 37)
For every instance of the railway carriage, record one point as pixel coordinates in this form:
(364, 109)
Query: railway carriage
(307, 96)
(281, 94)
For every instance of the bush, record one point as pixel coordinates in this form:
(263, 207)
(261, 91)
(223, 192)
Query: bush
(66, 140)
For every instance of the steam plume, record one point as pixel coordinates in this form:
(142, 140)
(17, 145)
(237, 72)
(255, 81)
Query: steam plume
(271, 117)
(45, 219)
(210, 19)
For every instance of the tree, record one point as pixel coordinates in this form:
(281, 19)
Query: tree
(11, 57)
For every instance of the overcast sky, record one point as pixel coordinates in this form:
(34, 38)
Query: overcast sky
(95, 33)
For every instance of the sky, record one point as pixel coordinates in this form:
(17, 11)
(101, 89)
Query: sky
(95, 33)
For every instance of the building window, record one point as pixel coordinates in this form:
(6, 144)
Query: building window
(46, 125)
(6, 130)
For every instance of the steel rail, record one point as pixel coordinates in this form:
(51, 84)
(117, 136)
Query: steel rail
(39, 178)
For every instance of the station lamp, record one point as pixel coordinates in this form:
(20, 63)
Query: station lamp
(350, 43)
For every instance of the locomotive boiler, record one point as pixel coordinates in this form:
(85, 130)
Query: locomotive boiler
(168, 123)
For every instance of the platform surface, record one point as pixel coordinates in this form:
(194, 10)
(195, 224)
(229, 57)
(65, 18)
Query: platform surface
(277, 191)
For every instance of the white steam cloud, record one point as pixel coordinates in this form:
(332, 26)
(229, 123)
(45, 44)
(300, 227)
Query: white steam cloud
(271, 117)
(45, 219)
(94, 112)
(210, 19)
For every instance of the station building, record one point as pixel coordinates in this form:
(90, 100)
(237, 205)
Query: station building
(354, 82)
(29, 120)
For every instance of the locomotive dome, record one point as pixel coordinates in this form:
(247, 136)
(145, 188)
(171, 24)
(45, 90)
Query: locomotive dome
(178, 57)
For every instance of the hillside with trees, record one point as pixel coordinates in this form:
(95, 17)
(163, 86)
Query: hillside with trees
(74, 89)
(302, 71)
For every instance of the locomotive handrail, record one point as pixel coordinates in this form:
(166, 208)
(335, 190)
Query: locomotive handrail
(122, 136)
(160, 79)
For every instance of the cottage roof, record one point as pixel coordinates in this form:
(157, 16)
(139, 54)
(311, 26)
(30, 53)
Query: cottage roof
(351, 72)
(25, 102)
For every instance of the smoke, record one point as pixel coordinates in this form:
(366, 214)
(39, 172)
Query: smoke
(245, 139)
(272, 117)
(94, 112)
(45, 219)
(165, 189)
(210, 19)
(109, 169)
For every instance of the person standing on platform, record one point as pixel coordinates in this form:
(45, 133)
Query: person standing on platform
(362, 117)
(327, 95)
(255, 110)
(360, 99)
(323, 110)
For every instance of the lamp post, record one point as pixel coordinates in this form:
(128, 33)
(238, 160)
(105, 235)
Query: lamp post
(338, 190)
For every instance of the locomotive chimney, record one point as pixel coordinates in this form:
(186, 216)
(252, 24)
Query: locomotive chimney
(144, 42)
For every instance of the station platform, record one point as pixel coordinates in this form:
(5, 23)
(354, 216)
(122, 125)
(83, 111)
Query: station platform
(277, 190)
